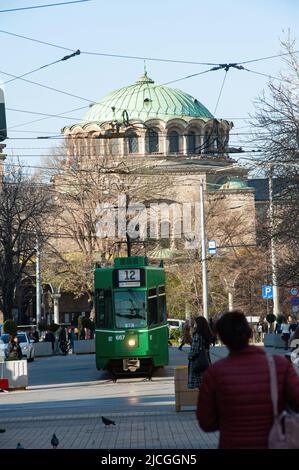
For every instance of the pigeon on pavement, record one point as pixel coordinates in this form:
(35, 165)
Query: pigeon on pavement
(19, 446)
(54, 441)
(107, 421)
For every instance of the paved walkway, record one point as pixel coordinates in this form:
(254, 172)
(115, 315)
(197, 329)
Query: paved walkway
(153, 430)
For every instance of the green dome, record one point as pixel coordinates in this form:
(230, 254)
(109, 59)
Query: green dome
(143, 101)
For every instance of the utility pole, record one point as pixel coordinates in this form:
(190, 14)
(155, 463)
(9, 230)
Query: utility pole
(38, 283)
(276, 309)
(203, 252)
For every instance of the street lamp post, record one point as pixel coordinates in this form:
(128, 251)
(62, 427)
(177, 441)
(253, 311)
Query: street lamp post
(273, 246)
(38, 283)
(203, 252)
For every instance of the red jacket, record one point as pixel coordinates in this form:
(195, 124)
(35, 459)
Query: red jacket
(235, 398)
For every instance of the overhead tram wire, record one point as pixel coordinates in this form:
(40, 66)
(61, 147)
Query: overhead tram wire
(43, 6)
(133, 57)
(48, 116)
(67, 57)
(48, 87)
(220, 93)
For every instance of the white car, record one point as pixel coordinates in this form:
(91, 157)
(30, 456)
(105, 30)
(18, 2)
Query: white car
(25, 343)
(176, 324)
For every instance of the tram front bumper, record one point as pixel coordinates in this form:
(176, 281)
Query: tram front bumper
(131, 364)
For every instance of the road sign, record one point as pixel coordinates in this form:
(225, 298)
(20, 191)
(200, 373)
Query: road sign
(267, 292)
(295, 300)
(295, 309)
(294, 291)
(212, 247)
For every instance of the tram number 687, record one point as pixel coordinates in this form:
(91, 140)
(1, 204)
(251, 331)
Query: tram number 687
(119, 337)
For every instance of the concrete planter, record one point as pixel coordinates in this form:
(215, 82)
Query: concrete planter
(278, 343)
(16, 372)
(84, 346)
(43, 348)
(269, 339)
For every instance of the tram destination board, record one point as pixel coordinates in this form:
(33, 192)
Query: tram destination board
(130, 277)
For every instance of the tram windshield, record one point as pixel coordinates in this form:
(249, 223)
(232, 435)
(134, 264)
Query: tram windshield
(130, 311)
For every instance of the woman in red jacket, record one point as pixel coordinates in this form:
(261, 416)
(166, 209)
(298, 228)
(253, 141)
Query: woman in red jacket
(235, 396)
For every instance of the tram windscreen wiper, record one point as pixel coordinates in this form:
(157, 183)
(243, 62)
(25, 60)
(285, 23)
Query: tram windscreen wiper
(130, 315)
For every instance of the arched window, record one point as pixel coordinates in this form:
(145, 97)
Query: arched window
(173, 142)
(132, 140)
(191, 142)
(153, 141)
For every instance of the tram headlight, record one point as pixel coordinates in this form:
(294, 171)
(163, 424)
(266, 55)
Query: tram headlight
(132, 342)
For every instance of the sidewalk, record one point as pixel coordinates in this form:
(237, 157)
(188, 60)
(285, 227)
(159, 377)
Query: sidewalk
(152, 430)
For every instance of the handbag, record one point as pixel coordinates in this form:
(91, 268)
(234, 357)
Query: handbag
(200, 362)
(284, 433)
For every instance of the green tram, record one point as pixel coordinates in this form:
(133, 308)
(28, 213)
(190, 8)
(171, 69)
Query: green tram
(131, 328)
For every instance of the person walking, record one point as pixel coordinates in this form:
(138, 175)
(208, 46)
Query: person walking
(285, 333)
(201, 341)
(14, 351)
(62, 342)
(186, 338)
(71, 337)
(235, 396)
(50, 337)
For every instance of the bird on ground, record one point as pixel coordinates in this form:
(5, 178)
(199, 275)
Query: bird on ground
(54, 441)
(19, 446)
(2, 430)
(107, 421)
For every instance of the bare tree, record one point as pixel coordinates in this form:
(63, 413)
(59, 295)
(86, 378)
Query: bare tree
(276, 135)
(25, 206)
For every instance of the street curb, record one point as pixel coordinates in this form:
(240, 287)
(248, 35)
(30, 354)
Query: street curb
(136, 414)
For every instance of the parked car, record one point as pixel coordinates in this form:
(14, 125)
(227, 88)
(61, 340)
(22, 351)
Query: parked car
(25, 343)
(176, 324)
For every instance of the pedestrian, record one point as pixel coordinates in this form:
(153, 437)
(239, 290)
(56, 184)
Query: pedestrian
(201, 340)
(49, 337)
(82, 333)
(35, 335)
(186, 338)
(259, 332)
(87, 333)
(71, 337)
(76, 331)
(14, 351)
(285, 333)
(212, 328)
(235, 396)
(293, 324)
(62, 340)
(294, 340)
(277, 329)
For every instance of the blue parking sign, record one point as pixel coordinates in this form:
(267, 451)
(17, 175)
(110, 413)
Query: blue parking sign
(267, 292)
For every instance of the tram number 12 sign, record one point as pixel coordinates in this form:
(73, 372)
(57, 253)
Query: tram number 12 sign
(129, 278)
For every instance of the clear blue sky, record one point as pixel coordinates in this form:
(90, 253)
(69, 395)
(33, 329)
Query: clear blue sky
(193, 30)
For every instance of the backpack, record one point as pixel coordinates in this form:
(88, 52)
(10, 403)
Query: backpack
(284, 433)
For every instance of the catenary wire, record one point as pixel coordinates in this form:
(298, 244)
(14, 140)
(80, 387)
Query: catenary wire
(43, 6)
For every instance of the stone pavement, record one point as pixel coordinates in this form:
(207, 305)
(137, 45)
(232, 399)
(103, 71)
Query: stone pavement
(152, 430)
(132, 430)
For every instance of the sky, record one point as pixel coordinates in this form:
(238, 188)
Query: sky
(194, 30)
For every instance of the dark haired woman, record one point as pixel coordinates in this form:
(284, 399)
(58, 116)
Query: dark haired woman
(201, 340)
(14, 351)
(235, 396)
